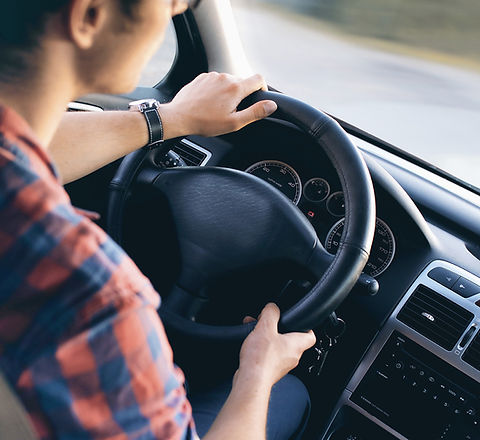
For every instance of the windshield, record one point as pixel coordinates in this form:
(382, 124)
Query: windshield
(408, 71)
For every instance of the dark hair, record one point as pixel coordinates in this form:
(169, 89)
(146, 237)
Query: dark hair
(22, 23)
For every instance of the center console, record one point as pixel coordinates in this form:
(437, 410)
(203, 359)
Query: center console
(421, 377)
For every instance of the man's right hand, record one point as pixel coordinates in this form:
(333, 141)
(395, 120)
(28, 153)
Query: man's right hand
(267, 355)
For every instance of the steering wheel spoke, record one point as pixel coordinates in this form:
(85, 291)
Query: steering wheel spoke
(320, 261)
(184, 304)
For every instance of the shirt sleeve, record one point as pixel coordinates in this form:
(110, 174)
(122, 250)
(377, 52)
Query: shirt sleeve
(114, 380)
(85, 348)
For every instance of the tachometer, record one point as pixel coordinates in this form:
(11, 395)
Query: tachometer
(383, 247)
(279, 175)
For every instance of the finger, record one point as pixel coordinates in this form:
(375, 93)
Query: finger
(270, 316)
(179, 9)
(252, 84)
(257, 111)
(248, 319)
(303, 341)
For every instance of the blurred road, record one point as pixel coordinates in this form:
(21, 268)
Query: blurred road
(429, 109)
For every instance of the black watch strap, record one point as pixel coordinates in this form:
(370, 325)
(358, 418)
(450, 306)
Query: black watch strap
(155, 127)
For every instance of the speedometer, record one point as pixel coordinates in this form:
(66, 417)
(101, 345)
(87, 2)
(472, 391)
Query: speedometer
(279, 175)
(383, 247)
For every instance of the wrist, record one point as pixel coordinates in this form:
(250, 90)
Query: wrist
(174, 123)
(252, 378)
(149, 110)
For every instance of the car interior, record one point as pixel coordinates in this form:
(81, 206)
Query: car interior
(373, 248)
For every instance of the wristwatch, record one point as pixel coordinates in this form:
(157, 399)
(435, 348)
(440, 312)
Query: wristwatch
(149, 108)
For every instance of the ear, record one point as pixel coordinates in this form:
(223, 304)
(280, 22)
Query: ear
(85, 21)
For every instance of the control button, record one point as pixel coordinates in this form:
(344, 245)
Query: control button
(412, 367)
(431, 379)
(470, 412)
(353, 437)
(452, 393)
(421, 373)
(467, 336)
(457, 411)
(399, 365)
(446, 404)
(466, 288)
(382, 375)
(443, 276)
(425, 391)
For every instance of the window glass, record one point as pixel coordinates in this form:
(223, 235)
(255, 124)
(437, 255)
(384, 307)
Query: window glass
(162, 61)
(407, 71)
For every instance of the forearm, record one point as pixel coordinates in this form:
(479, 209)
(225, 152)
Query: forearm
(85, 142)
(207, 106)
(244, 414)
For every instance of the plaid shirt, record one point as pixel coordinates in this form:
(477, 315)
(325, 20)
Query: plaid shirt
(80, 339)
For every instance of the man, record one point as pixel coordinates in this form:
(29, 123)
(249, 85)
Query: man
(80, 340)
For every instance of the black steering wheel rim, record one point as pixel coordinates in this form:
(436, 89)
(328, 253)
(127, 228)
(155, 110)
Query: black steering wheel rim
(344, 269)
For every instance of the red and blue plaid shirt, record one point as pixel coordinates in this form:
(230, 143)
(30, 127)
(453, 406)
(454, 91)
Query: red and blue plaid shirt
(80, 339)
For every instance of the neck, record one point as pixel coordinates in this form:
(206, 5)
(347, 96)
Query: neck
(41, 97)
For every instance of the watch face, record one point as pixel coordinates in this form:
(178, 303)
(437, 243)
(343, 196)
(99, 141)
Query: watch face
(143, 104)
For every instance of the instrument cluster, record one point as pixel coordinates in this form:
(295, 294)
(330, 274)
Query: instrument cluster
(324, 205)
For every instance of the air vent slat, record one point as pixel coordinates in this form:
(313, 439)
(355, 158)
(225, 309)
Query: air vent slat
(435, 317)
(426, 331)
(441, 306)
(472, 354)
(190, 155)
(450, 323)
(437, 312)
(414, 318)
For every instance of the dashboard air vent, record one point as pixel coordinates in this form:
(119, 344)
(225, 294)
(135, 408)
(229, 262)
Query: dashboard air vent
(435, 317)
(191, 154)
(472, 354)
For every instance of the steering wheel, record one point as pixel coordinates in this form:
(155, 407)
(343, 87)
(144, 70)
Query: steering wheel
(227, 220)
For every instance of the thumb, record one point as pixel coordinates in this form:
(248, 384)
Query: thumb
(248, 319)
(255, 112)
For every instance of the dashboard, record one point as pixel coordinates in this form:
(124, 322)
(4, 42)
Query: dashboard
(420, 378)
(408, 365)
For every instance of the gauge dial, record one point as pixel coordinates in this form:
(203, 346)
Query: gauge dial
(316, 190)
(383, 247)
(279, 175)
(336, 204)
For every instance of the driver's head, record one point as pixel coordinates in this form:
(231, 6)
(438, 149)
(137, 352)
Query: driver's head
(103, 44)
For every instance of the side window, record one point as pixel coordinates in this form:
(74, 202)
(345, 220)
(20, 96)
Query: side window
(161, 61)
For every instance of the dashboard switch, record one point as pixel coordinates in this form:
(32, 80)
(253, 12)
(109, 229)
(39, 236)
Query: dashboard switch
(444, 276)
(466, 288)
(467, 336)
